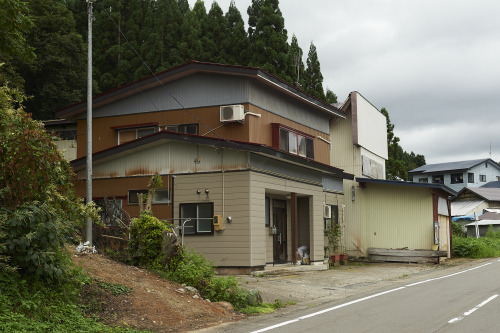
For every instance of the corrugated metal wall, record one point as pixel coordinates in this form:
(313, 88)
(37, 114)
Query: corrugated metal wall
(203, 90)
(166, 158)
(396, 217)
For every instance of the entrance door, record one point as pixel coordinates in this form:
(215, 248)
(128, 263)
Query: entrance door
(279, 239)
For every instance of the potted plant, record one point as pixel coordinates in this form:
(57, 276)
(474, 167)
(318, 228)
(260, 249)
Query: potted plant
(333, 234)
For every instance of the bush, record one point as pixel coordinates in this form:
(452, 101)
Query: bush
(457, 229)
(38, 208)
(191, 268)
(476, 247)
(226, 289)
(490, 233)
(146, 237)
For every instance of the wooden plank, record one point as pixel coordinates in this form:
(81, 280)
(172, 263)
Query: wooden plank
(407, 253)
(419, 260)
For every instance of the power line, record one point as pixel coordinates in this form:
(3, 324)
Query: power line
(154, 75)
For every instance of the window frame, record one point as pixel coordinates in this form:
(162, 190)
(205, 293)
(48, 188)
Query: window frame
(175, 128)
(334, 219)
(440, 177)
(470, 177)
(136, 128)
(423, 180)
(457, 178)
(482, 178)
(195, 231)
(300, 139)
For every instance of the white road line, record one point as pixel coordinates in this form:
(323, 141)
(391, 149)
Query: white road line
(325, 310)
(376, 295)
(447, 276)
(454, 320)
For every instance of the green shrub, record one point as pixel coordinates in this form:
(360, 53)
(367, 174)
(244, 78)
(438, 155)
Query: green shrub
(490, 233)
(484, 247)
(191, 268)
(146, 238)
(39, 211)
(457, 229)
(226, 288)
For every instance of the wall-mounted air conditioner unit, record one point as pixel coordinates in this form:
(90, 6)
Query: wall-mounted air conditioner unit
(232, 113)
(327, 212)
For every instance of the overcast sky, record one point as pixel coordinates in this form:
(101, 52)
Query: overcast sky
(434, 65)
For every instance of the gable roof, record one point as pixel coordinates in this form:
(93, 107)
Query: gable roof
(452, 166)
(485, 193)
(260, 149)
(191, 68)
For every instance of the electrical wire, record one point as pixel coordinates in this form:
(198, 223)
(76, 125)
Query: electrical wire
(154, 75)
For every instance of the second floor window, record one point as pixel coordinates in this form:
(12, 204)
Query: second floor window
(293, 141)
(184, 128)
(129, 133)
(457, 178)
(438, 179)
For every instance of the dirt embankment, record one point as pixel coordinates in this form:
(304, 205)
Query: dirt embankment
(153, 303)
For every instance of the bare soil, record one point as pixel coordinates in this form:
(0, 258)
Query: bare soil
(153, 303)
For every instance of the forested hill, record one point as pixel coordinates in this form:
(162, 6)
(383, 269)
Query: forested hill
(135, 38)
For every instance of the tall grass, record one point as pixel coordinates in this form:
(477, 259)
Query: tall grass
(483, 247)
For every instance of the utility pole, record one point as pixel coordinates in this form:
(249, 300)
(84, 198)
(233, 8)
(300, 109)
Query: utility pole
(89, 121)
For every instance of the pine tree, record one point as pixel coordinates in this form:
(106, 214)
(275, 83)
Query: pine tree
(215, 32)
(295, 58)
(394, 168)
(330, 97)
(313, 79)
(191, 47)
(236, 43)
(169, 29)
(268, 41)
(57, 77)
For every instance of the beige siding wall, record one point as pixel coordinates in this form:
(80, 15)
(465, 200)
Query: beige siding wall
(395, 218)
(230, 247)
(278, 188)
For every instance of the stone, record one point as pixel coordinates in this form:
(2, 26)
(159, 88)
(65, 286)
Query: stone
(254, 298)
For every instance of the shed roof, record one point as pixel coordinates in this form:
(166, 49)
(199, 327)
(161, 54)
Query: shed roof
(483, 222)
(452, 166)
(218, 143)
(486, 193)
(411, 184)
(494, 184)
(459, 208)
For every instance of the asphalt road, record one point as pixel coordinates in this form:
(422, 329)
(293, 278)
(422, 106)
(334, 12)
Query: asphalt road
(463, 301)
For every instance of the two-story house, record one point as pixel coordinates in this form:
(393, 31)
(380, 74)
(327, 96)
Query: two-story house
(457, 175)
(228, 141)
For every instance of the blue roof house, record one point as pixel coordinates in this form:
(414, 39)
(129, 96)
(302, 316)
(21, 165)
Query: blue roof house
(457, 175)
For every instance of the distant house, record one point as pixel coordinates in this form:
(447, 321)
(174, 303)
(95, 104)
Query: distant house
(490, 217)
(64, 136)
(472, 200)
(457, 175)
